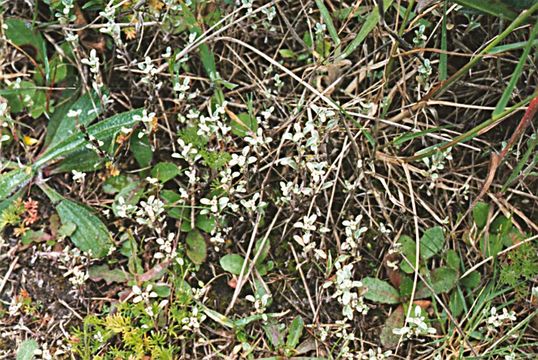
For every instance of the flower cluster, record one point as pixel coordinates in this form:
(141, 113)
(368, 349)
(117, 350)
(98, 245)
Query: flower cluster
(348, 291)
(416, 326)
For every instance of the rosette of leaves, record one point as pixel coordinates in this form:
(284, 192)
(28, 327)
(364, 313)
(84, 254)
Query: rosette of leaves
(66, 148)
(443, 279)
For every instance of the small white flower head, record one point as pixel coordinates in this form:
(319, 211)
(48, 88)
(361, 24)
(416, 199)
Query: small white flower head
(145, 295)
(78, 176)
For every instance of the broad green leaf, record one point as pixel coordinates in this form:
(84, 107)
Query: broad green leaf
(453, 259)
(141, 149)
(264, 252)
(431, 242)
(455, 304)
(472, 280)
(380, 291)
(21, 33)
(441, 280)
(206, 223)
(18, 95)
(162, 290)
(13, 180)
(165, 171)
(103, 272)
(409, 250)
(480, 214)
(32, 236)
(62, 126)
(295, 332)
(101, 131)
(273, 334)
(287, 53)
(114, 184)
(174, 207)
(27, 349)
(196, 247)
(232, 263)
(91, 234)
(394, 321)
(243, 124)
(130, 195)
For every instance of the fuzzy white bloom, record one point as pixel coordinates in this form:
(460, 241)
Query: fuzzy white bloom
(415, 326)
(145, 295)
(92, 62)
(347, 291)
(496, 320)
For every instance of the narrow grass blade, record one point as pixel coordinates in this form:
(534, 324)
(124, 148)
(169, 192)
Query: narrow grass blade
(507, 94)
(443, 57)
(532, 143)
(492, 7)
(371, 22)
(329, 23)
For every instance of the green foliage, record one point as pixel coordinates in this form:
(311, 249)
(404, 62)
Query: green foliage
(196, 247)
(26, 349)
(90, 235)
(165, 171)
(520, 268)
(380, 291)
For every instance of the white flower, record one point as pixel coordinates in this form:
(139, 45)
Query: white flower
(415, 326)
(497, 320)
(145, 295)
(74, 113)
(78, 176)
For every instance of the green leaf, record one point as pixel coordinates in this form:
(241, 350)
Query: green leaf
(380, 291)
(232, 263)
(295, 332)
(395, 321)
(371, 22)
(409, 250)
(165, 171)
(196, 247)
(453, 259)
(128, 196)
(61, 126)
(103, 272)
(455, 304)
(206, 223)
(141, 149)
(17, 96)
(21, 33)
(32, 236)
(91, 234)
(326, 15)
(162, 290)
(287, 53)
(480, 214)
(114, 184)
(516, 74)
(264, 252)
(441, 280)
(174, 207)
(27, 349)
(493, 7)
(101, 131)
(244, 124)
(13, 180)
(431, 242)
(471, 281)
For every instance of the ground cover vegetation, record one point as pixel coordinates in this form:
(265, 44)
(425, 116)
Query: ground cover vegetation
(204, 179)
